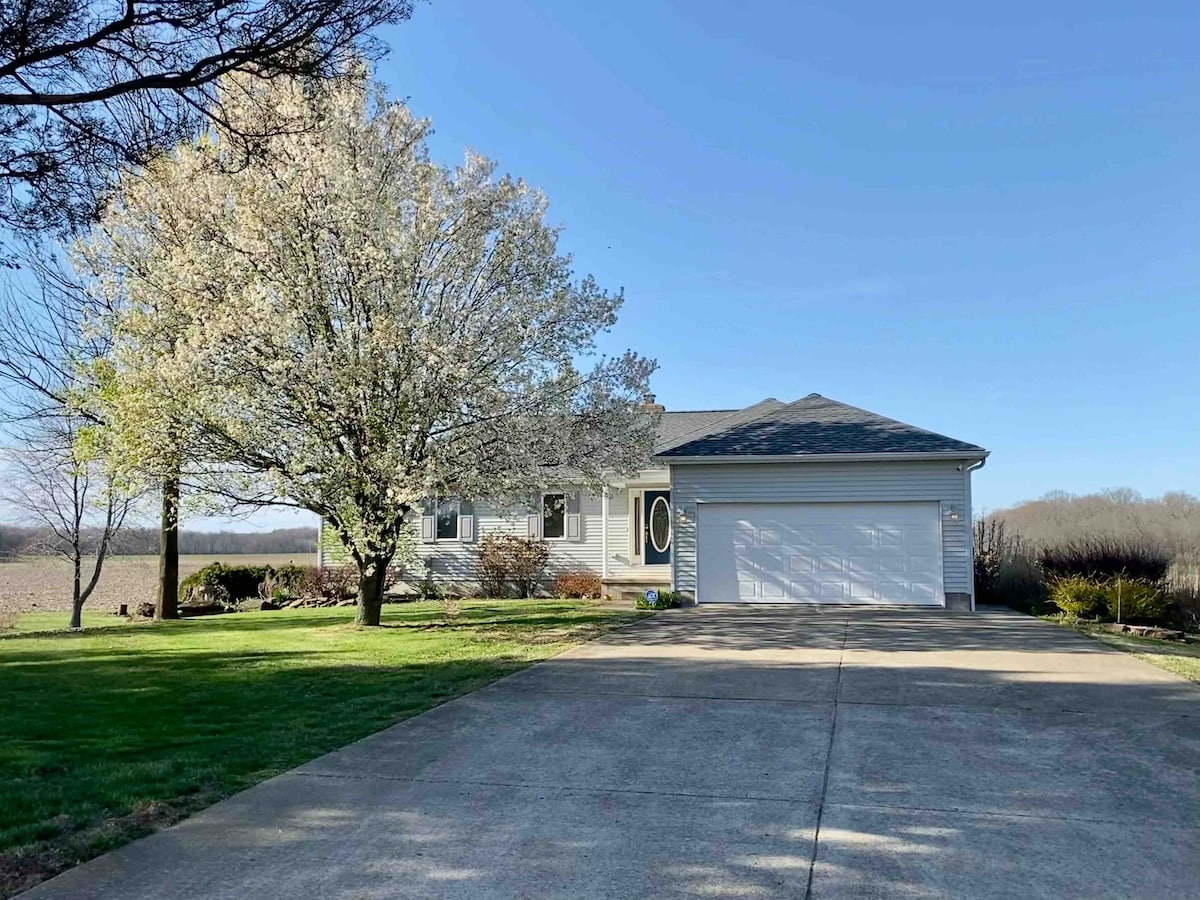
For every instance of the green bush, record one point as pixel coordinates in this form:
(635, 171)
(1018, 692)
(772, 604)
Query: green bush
(1078, 596)
(666, 600)
(229, 585)
(1141, 602)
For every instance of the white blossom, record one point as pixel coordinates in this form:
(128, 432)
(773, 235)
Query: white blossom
(357, 324)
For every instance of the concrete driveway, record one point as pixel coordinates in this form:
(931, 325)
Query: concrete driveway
(742, 752)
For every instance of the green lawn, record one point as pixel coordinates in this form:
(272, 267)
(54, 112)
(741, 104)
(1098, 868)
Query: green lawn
(111, 732)
(1174, 656)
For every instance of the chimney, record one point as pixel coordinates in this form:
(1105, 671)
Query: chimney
(652, 407)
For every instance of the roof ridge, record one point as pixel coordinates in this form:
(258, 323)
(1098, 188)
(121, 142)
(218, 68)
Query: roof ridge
(870, 412)
(806, 426)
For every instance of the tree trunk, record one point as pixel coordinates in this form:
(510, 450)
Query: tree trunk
(371, 578)
(168, 552)
(76, 598)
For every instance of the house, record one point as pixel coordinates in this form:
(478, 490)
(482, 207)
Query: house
(813, 501)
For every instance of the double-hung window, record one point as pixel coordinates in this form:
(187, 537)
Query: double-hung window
(446, 519)
(554, 515)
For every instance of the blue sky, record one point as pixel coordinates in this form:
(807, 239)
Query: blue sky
(981, 219)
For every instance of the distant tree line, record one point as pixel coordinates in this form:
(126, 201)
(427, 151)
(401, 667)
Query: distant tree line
(1170, 522)
(17, 540)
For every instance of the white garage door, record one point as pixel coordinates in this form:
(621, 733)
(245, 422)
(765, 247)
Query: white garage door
(820, 553)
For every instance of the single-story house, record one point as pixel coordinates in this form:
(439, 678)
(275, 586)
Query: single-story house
(813, 501)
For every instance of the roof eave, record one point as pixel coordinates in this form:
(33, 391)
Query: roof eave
(828, 457)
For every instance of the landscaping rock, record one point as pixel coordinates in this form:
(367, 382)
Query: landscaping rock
(1146, 631)
(145, 610)
(269, 606)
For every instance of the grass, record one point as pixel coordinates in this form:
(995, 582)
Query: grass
(1174, 656)
(109, 733)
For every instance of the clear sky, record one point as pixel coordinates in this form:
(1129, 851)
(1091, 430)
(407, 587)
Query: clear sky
(978, 218)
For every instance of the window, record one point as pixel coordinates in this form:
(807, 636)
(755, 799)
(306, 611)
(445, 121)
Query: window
(447, 520)
(445, 513)
(554, 515)
(636, 531)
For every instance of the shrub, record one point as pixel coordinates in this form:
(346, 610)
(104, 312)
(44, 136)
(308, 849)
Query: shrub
(990, 547)
(229, 585)
(1106, 557)
(665, 600)
(1078, 596)
(427, 588)
(283, 584)
(506, 559)
(1139, 602)
(219, 583)
(331, 583)
(1182, 589)
(584, 585)
(1005, 569)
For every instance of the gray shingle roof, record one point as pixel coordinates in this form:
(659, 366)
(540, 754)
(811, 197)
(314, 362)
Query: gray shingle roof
(811, 425)
(679, 427)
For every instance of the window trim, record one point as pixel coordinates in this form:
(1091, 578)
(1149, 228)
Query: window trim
(542, 498)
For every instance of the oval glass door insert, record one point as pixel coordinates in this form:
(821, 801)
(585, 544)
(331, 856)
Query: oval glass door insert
(660, 524)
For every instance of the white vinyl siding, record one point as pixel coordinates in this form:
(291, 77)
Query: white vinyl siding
(456, 562)
(941, 481)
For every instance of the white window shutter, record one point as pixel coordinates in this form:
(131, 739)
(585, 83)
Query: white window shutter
(533, 525)
(428, 520)
(466, 528)
(574, 520)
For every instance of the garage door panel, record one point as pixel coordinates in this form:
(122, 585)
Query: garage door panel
(801, 564)
(862, 591)
(833, 591)
(820, 553)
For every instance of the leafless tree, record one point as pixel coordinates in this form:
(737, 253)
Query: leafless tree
(79, 508)
(1171, 521)
(45, 351)
(91, 86)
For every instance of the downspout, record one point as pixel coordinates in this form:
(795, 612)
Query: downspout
(603, 537)
(974, 467)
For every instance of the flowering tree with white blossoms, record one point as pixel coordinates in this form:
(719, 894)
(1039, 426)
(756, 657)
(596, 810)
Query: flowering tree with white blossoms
(358, 327)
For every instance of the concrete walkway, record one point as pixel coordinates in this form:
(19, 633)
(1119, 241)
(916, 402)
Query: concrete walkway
(741, 752)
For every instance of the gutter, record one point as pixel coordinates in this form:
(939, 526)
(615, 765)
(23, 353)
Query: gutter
(978, 455)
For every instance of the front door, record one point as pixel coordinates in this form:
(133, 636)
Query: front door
(656, 528)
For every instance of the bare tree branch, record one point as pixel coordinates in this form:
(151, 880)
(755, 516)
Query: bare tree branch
(89, 86)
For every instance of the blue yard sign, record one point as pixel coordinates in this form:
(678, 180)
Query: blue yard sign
(652, 596)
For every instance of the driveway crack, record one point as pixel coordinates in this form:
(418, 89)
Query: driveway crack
(837, 689)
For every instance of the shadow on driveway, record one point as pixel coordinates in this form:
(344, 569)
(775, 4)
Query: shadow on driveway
(735, 752)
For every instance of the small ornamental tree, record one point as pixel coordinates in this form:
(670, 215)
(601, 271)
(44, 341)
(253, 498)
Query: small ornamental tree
(357, 327)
